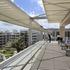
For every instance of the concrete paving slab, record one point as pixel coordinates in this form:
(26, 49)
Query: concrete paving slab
(54, 58)
(47, 65)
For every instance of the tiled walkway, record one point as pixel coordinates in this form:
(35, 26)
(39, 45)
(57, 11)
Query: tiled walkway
(52, 58)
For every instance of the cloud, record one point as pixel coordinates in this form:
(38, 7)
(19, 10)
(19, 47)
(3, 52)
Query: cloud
(67, 26)
(32, 14)
(47, 25)
(41, 4)
(4, 26)
(12, 0)
(37, 10)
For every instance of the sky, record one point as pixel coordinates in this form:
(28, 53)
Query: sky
(35, 8)
(67, 26)
(32, 8)
(10, 27)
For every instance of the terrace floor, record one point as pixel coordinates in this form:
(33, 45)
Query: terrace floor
(51, 57)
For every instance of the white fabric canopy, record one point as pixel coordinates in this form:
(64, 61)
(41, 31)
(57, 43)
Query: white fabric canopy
(11, 13)
(57, 11)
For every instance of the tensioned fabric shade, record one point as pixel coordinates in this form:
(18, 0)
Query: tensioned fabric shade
(57, 10)
(11, 13)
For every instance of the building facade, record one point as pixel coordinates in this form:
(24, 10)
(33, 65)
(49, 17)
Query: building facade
(36, 36)
(55, 32)
(6, 37)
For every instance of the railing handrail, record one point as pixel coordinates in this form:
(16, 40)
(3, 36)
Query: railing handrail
(18, 55)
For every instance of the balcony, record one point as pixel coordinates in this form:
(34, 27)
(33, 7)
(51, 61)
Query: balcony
(40, 56)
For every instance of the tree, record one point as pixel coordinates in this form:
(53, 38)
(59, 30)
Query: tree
(19, 44)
